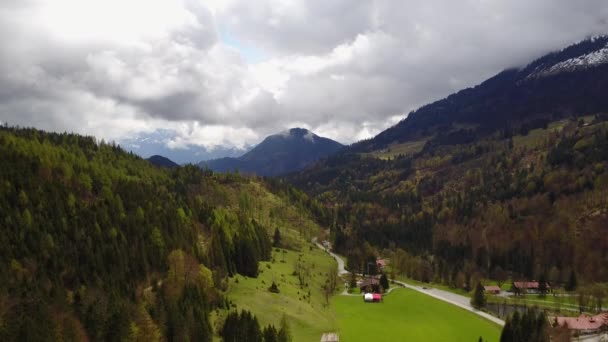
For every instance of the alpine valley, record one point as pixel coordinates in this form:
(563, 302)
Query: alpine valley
(459, 219)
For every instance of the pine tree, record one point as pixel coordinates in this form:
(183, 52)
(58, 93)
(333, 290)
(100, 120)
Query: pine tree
(284, 333)
(479, 300)
(507, 332)
(384, 282)
(572, 283)
(270, 334)
(276, 239)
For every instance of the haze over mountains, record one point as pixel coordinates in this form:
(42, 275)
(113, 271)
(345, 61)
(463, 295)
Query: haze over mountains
(279, 154)
(162, 142)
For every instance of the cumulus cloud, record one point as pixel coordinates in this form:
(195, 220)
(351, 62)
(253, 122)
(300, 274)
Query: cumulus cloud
(344, 69)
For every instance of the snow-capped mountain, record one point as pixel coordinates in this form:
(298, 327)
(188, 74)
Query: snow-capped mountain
(584, 55)
(157, 143)
(567, 83)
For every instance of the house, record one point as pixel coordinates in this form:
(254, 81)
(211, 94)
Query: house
(330, 337)
(370, 285)
(381, 263)
(492, 289)
(528, 287)
(583, 324)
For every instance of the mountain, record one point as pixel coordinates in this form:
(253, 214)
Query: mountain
(561, 84)
(157, 143)
(97, 244)
(279, 154)
(508, 177)
(161, 161)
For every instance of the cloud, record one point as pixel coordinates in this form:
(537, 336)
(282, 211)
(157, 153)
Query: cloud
(344, 69)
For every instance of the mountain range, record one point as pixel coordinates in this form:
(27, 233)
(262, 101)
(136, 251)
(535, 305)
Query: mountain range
(157, 143)
(508, 175)
(278, 154)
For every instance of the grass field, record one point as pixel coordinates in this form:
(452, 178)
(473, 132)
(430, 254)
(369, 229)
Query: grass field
(308, 317)
(407, 315)
(395, 150)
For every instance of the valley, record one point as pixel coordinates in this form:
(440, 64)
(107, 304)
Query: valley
(481, 216)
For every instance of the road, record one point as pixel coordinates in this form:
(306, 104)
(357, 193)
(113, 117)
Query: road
(341, 269)
(446, 296)
(454, 299)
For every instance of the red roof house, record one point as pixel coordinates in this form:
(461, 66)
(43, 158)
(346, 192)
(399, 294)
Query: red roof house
(381, 263)
(493, 289)
(528, 286)
(584, 324)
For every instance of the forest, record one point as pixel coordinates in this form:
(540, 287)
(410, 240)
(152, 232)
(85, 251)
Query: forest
(527, 201)
(97, 244)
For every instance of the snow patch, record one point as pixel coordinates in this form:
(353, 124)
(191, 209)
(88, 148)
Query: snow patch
(577, 63)
(310, 137)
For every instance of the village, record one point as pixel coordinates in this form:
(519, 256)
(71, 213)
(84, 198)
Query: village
(570, 323)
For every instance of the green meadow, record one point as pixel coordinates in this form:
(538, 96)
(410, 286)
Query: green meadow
(308, 316)
(407, 315)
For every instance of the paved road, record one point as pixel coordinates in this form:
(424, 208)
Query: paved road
(449, 297)
(341, 269)
(454, 299)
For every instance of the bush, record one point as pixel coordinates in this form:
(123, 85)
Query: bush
(274, 288)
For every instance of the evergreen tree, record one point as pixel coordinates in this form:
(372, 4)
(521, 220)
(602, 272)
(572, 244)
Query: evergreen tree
(285, 332)
(276, 239)
(384, 282)
(479, 299)
(542, 285)
(572, 282)
(270, 334)
(507, 332)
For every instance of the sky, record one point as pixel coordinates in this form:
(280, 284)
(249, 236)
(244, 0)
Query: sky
(227, 73)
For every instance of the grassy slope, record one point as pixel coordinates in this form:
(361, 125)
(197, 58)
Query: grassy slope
(407, 315)
(308, 318)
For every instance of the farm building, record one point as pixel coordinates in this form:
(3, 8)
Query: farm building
(381, 263)
(584, 325)
(330, 337)
(492, 289)
(528, 287)
(370, 285)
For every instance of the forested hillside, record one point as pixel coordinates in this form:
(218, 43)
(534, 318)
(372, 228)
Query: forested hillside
(508, 178)
(97, 244)
(534, 204)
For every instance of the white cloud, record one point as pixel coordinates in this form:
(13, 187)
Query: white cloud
(343, 69)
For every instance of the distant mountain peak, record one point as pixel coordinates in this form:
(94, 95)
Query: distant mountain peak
(161, 161)
(281, 153)
(297, 133)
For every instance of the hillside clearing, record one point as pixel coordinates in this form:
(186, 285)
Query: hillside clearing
(308, 316)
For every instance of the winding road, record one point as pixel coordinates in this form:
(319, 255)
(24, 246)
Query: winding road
(449, 297)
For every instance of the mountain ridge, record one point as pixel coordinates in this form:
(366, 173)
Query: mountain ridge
(277, 154)
(512, 98)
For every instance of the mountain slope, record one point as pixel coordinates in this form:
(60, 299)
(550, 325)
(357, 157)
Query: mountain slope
(161, 161)
(564, 83)
(508, 176)
(279, 154)
(98, 244)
